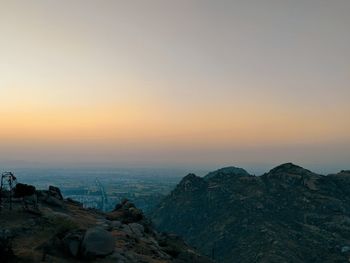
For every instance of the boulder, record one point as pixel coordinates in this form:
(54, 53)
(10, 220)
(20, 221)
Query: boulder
(125, 204)
(115, 224)
(72, 242)
(115, 216)
(126, 215)
(22, 190)
(137, 229)
(53, 201)
(56, 192)
(135, 214)
(117, 257)
(97, 242)
(126, 229)
(51, 197)
(105, 224)
(126, 212)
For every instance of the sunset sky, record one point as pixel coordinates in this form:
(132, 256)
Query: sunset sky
(175, 83)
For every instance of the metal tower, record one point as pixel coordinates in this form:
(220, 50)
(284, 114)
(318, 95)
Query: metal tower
(8, 183)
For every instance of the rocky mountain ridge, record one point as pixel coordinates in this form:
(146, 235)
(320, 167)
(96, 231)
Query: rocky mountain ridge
(289, 214)
(60, 230)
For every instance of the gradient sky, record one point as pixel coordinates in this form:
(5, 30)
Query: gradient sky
(175, 83)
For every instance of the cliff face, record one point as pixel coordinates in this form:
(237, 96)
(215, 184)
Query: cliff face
(60, 230)
(286, 215)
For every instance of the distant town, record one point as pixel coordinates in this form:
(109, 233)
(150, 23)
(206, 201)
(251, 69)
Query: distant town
(104, 188)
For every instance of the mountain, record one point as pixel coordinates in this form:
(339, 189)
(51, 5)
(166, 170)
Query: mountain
(289, 214)
(227, 171)
(55, 229)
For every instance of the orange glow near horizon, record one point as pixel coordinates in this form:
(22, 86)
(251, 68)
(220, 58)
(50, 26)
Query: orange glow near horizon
(142, 124)
(177, 81)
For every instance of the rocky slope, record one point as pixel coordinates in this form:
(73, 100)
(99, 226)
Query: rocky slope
(60, 230)
(286, 215)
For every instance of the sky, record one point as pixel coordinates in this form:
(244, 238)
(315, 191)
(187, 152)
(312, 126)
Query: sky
(183, 83)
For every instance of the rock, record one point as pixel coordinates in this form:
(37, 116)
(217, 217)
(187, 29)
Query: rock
(137, 229)
(56, 192)
(104, 224)
(127, 204)
(135, 214)
(73, 247)
(117, 207)
(126, 229)
(115, 216)
(126, 213)
(76, 234)
(124, 204)
(72, 242)
(52, 197)
(42, 194)
(22, 190)
(54, 201)
(118, 258)
(131, 257)
(115, 224)
(97, 242)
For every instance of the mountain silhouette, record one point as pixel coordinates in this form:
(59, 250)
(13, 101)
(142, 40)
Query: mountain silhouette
(289, 214)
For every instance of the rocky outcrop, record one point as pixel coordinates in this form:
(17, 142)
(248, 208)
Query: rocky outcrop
(97, 242)
(52, 196)
(289, 214)
(22, 190)
(126, 212)
(64, 231)
(56, 192)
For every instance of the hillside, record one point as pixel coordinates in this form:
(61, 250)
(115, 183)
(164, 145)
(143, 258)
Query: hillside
(61, 230)
(289, 214)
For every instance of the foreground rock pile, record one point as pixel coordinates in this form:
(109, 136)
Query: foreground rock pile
(60, 230)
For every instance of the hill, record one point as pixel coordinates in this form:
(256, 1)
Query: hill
(289, 214)
(61, 230)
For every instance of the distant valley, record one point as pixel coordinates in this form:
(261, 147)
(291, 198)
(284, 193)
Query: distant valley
(102, 188)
